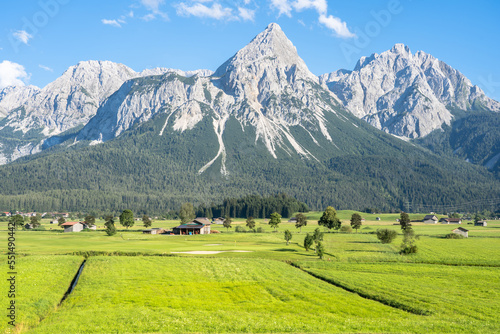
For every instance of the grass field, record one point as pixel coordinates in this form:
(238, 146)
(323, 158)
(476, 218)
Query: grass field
(258, 284)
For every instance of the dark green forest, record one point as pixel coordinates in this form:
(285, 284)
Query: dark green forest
(145, 172)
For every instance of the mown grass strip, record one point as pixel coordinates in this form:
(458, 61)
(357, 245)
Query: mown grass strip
(385, 301)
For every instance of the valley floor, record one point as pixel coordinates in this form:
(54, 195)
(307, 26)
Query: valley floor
(255, 283)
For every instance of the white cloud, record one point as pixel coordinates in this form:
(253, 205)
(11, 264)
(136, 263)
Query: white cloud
(283, 7)
(152, 5)
(199, 10)
(320, 5)
(336, 24)
(246, 14)
(113, 23)
(12, 74)
(46, 68)
(23, 36)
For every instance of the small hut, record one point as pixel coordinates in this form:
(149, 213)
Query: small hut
(461, 231)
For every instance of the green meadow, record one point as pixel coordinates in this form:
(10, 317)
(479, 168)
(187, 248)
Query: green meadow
(254, 283)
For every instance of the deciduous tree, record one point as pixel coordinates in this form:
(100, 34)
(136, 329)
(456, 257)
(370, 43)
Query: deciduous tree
(17, 221)
(35, 220)
(288, 237)
(127, 218)
(329, 219)
(250, 223)
(227, 223)
(404, 221)
(356, 221)
(89, 220)
(275, 220)
(301, 221)
(146, 221)
(308, 241)
(110, 225)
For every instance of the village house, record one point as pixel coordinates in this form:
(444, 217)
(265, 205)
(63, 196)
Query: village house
(6, 214)
(430, 219)
(197, 226)
(461, 231)
(451, 221)
(73, 226)
(481, 223)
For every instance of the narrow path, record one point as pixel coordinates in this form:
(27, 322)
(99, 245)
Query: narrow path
(386, 302)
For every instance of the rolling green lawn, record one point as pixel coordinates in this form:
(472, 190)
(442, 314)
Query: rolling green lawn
(451, 285)
(41, 282)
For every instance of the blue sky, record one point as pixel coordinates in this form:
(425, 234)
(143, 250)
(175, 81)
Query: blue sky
(40, 39)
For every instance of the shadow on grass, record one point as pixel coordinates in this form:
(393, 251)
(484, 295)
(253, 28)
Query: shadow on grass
(364, 242)
(285, 250)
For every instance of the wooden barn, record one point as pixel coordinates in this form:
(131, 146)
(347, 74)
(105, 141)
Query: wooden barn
(73, 226)
(197, 226)
(481, 223)
(451, 221)
(154, 230)
(430, 219)
(461, 231)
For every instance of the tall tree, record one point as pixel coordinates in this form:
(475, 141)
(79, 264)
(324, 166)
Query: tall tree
(250, 223)
(288, 237)
(356, 221)
(301, 221)
(404, 221)
(146, 221)
(329, 219)
(186, 213)
(275, 220)
(127, 218)
(35, 220)
(308, 241)
(61, 221)
(110, 225)
(227, 223)
(17, 221)
(320, 250)
(317, 238)
(89, 220)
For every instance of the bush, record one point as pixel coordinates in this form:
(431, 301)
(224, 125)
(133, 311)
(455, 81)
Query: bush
(346, 229)
(260, 230)
(386, 236)
(454, 236)
(240, 229)
(409, 249)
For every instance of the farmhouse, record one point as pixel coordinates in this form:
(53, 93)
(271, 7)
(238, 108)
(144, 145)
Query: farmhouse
(73, 226)
(461, 231)
(430, 219)
(197, 226)
(451, 221)
(481, 223)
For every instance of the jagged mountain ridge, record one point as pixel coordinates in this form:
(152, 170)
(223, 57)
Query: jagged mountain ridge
(405, 94)
(265, 85)
(68, 102)
(262, 123)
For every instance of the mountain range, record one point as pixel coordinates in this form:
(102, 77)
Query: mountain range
(392, 131)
